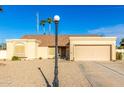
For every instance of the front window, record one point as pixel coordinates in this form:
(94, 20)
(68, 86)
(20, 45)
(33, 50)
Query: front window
(19, 51)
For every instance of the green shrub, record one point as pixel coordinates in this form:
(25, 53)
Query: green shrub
(118, 56)
(40, 58)
(15, 58)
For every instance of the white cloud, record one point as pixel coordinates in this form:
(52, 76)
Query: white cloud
(117, 30)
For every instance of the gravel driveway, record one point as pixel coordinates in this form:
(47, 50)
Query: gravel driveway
(71, 74)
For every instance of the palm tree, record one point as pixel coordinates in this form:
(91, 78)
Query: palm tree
(49, 20)
(42, 23)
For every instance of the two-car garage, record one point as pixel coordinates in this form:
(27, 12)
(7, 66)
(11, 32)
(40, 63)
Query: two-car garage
(92, 52)
(92, 48)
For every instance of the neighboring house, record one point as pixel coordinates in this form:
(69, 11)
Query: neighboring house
(73, 47)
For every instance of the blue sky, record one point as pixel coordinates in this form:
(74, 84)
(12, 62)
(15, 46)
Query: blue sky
(16, 21)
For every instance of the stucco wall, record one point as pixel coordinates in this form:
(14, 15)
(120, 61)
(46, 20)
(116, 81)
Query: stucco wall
(42, 52)
(10, 50)
(51, 49)
(3, 54)
(31, 50)
(30, 45)
(93, 41)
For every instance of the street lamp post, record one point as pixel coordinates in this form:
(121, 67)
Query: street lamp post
(56, 80)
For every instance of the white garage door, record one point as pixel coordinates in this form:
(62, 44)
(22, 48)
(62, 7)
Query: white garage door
(92, 53)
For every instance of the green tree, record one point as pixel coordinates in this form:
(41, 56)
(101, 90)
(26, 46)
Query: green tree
(122, 44)
(2, 46)
(49, 20)
(122, 40)
(42, 23)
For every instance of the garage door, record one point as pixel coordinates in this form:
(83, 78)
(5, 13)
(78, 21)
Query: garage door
(92, 53)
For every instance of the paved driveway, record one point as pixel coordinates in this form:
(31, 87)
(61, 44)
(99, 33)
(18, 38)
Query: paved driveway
(71, 74)
(103, 74)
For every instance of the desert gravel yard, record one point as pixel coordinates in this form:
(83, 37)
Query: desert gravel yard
(71, 74)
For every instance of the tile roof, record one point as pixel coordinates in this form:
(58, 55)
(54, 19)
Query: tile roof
(49, 40)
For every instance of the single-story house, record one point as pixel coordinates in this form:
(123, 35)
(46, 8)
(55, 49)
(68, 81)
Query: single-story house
(73, 47)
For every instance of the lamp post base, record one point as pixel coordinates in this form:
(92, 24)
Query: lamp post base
(56, 83)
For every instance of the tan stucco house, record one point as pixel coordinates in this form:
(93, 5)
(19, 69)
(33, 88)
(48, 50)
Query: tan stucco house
(73, 47)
